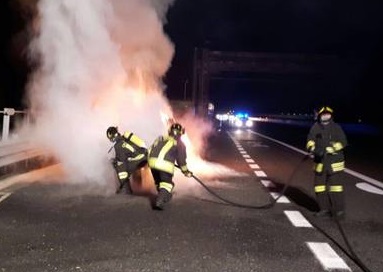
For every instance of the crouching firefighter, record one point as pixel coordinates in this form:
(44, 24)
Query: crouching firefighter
(130, 155)
(326, 141)
(163, 154)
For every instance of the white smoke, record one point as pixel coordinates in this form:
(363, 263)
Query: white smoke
(99, 62)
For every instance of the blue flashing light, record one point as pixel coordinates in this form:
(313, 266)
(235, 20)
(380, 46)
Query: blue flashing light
(242, 115)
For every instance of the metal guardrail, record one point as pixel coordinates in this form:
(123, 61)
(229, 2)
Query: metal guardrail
(7, 113)
(12, 152)
(19, 157)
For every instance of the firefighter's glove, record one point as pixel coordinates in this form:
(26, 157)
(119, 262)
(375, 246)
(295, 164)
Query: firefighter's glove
(330, 150)
(187, 173)
(318, 155)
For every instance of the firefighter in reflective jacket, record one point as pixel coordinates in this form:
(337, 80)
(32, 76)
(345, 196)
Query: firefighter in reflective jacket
(165, 151)
(130, 154)
(326, 141)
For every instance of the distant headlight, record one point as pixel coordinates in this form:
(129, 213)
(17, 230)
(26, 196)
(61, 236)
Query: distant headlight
(249, 123)
(238, 123)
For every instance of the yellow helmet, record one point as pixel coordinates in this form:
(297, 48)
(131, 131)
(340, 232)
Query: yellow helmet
(325, 115)
(325, 109)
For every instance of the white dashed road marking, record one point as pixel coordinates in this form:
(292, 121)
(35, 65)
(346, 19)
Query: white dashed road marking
(281, 198)
(267, 183)
(297, 219)
(3, 196)
(260, 173)
(327, 256)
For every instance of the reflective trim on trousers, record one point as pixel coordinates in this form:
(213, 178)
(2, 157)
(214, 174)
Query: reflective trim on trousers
(336, 188)
(320, 188)
(167, 186)
(122, 175)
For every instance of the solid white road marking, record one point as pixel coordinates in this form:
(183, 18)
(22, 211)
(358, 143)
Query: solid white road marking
(281, 198)
(3, 196)
(260, 173)
(369, 188)
(375, 182)
(254, 166)
(297, 219)
(348, 171)
(327, 256)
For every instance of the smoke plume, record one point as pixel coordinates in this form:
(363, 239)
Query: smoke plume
(99, 63)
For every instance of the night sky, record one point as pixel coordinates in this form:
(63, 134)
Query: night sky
(347, 29)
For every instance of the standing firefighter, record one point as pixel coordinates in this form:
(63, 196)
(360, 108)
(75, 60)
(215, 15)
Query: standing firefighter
(165, 151)
(326, 141)
(130, 153)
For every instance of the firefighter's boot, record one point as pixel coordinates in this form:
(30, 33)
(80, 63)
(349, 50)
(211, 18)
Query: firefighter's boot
(162, 198)
(120, 187)
(124, 184)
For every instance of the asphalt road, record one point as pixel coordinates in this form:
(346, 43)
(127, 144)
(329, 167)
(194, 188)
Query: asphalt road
(51, 226)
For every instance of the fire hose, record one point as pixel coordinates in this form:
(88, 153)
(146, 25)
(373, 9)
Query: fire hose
(264, 206)
(350, 253)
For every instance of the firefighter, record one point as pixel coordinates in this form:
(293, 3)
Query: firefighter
(163, 154)
(326, 141)
(130, 154)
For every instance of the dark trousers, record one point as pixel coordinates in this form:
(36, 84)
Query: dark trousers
(129, 168)
(329, 191)
(164, 185)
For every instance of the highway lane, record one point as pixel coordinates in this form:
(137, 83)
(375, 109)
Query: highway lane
(363, 153)
(66, 227)
(363, 223)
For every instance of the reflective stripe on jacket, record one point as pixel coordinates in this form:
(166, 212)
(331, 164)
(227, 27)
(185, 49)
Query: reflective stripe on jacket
(164, 152)
(331, 141)
(127, 150)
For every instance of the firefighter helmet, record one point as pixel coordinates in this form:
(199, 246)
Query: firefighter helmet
(176, 130)
(325, 109)
(112, 133)
(325, 114)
